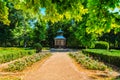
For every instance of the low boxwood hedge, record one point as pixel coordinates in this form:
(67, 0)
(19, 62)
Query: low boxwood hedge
(111, 57)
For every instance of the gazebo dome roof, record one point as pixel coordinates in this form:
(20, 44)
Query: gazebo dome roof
(60, 37)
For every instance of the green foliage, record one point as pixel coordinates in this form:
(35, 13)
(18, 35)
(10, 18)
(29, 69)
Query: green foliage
(22, 34)
(113, 39)
(101, 45)
(18, 32)
(111, 56)
(39, 31)
(88, 62)
(4, 13)
(38, 47)
(86, 39)
(25, 62)
(9, 54)
(56, 11)
(90, 19)
(5, 35)
(100, 19)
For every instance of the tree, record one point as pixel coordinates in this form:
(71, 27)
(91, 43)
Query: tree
(39, 32)
(100, 19)
(5, 35)
(4, 12)
(56, 11)
(91, 19)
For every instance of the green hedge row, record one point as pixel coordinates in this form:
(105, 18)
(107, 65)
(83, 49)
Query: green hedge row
(111, 57)
(25, 62)
(9, 55)
(101, 45)
(88, 62)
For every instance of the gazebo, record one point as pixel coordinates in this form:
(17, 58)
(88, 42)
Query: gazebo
(60, 40)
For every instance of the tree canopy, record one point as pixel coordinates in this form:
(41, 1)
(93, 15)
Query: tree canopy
(86, 20)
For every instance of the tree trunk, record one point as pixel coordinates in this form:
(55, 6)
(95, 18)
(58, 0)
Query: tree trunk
(25, 43)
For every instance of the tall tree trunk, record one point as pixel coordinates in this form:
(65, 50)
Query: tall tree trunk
(25, 43)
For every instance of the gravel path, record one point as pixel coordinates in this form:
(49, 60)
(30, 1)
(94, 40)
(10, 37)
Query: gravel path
(58, 67)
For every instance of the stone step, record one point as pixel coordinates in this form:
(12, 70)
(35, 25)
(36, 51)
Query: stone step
(59, 50)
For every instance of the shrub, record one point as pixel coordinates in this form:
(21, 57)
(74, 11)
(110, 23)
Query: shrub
(38, 47)
(101, 45)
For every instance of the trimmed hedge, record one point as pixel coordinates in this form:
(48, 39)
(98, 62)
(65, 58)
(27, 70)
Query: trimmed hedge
(25, 62)
(101, 45)
(9, 55)
(111, 57)
(88, 62)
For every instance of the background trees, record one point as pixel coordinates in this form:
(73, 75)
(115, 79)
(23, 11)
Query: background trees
(83, 22)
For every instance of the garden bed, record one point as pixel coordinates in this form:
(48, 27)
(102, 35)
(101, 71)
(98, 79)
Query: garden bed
(88, 62)
(23, 63)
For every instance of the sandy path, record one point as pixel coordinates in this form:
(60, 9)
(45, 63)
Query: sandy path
(58, 67)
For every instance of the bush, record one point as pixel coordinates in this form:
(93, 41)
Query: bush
(101, 45)
(38, 47)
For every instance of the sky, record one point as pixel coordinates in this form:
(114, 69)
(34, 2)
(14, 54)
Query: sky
(115, 10)
(42, 11)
